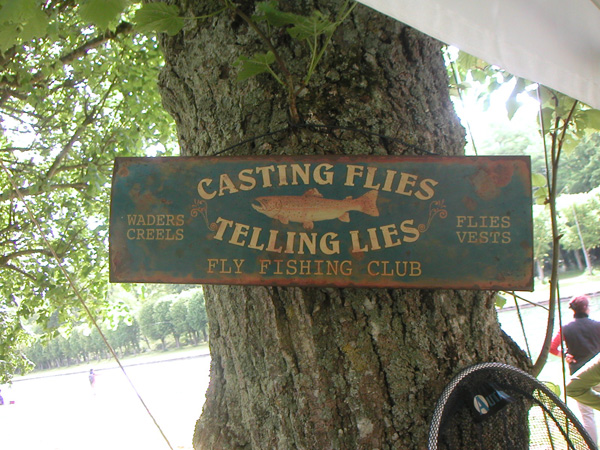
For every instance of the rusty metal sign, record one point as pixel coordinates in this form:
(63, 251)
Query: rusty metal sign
(395, 222)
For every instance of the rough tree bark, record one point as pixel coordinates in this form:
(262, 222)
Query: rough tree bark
(325, 368)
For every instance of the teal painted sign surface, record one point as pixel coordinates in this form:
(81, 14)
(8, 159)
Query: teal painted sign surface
(404, 222)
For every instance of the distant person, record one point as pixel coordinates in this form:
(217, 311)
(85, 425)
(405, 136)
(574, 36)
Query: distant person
(92, 378)
(1, 398)
(581, 338)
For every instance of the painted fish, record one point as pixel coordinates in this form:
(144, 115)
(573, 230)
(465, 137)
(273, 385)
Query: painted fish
(312, 207)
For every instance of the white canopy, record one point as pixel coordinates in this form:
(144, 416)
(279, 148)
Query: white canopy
(552, 42)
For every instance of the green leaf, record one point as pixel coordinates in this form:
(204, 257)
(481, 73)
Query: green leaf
(36, 26)
(494, 86)
(479, 75)
(21, 20)
(159, 17)
(102, 12)
(17, 11)
(8, 37)
(540, 195)
(258, 64)
(570, 142)
(553, 387)
(512, 105)
(312, 26)
(591, 118)
(499, 301)
(467, 61)
(538, 180)
(274, 16)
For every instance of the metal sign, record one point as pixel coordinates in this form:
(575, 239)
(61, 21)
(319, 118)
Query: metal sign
(360, 221)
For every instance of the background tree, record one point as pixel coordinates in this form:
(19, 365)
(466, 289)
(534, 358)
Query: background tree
(581, 167)
(579, 215)
(147, 323)
(197, 319)
(164, 322)
(179, 317)
(72, 97)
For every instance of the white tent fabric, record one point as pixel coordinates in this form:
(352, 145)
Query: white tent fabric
(552, 42)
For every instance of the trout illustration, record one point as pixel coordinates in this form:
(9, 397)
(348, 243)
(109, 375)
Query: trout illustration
(313, 207)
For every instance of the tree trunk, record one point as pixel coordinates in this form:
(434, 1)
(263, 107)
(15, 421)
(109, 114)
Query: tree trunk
(578, 259)
(539, 263)
(325, 368)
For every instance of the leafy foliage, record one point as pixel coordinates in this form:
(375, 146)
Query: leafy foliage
(257, 64)
(77, 89)
(181, 315)
(579, 213)
(159, 17)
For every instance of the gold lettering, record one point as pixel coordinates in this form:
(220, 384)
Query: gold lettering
(223, 225)
(238, 265)
(371, 171)
(373, 238)
(352, 172)
(329, 244)
(415, 269)
(409, 230)
(291, 268)
(305, 265)
(370, 270)
(225, 184)
(426, 191)
(212, 263)
(291, 238)
(266, 174)
(239, 230)
(323, 174)
(406, 179)
(389, 179)
(247, 181)
(202, 191)
(298, 172)
(356, 243)
(254, 239)
(389, 231)
(271, 246)
(394, 268)
(346, 268)
(309, 243)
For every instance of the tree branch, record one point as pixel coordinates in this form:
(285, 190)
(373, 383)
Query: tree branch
(124, 28)
(32, 251)
(87, 121)
(22, 272)
(30, 192)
